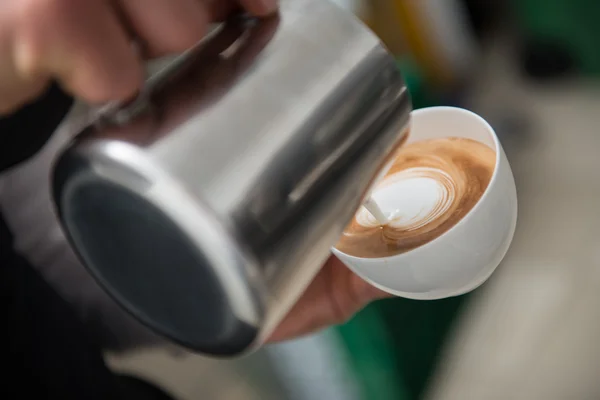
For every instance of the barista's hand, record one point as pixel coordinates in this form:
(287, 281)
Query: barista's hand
(334, 296)
(87, 45)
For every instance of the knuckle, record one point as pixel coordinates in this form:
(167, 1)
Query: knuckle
(106, 94)
(120, 85)
(10, 103)
(36, 20)
(126, 82)
(184, 40)
(6, 108)
(353, 295)
(189, 33)
(341, 309)
(35, 90)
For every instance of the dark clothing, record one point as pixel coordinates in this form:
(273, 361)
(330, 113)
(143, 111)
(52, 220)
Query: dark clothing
(46, 352)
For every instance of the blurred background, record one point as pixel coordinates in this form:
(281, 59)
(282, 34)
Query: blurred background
(531, 68)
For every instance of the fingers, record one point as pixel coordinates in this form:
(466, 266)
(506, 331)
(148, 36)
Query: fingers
(219, 10)
(259, 8)
(82, 44)
(332, 298)
(18, 93)
(87, 45)
(169, 26)
(166, 26)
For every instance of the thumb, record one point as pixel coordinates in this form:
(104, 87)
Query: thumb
(334, 296)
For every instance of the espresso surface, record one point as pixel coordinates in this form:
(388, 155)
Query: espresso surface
(430, 187)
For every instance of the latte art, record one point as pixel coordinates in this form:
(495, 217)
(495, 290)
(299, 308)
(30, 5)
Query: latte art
(438, 192)
(430, 187)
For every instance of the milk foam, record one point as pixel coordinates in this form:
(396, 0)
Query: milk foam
(411, 198)
(429, 188)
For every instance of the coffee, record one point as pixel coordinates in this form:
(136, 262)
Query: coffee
(430, 187)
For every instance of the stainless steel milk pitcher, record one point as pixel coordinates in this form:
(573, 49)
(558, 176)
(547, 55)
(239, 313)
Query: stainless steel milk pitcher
(207, 205)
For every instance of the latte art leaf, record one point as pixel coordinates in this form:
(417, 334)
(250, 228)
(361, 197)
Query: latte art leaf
(446, 193)
(430, 187)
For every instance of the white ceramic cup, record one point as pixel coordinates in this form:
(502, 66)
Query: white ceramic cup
(465, 256)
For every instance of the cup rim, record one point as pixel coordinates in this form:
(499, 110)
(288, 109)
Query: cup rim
(484, 196)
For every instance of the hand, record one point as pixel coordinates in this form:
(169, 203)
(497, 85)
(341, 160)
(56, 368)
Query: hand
(334, 296)
(87, 46)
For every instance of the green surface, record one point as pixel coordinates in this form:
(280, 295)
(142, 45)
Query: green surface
(573, 24)
(421, 96)
(370, 347)
(419, 330)
(395, 344)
